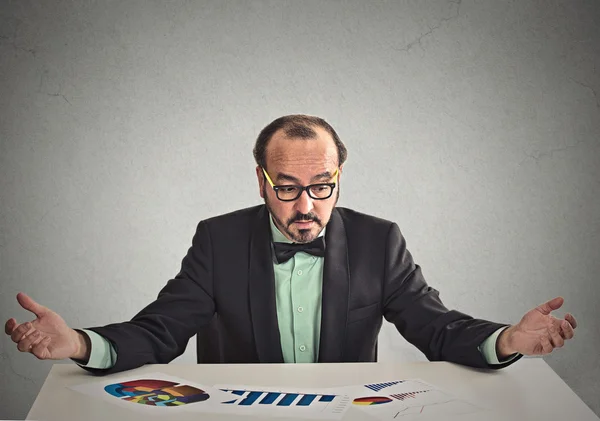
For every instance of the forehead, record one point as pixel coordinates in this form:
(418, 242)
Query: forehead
(301, 157)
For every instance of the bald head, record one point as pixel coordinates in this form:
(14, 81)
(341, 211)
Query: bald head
(297, 127)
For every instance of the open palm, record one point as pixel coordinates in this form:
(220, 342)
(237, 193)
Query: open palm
(538, 332)
(47, 337)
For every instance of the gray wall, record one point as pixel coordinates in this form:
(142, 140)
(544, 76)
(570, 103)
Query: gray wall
(472, 124)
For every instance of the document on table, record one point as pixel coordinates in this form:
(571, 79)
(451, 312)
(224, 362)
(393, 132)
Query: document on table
(154, 393)
(407, 400)
(159, 394)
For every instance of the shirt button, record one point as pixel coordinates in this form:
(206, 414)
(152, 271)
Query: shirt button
(299, 272)
(302, 348)
(300, 309)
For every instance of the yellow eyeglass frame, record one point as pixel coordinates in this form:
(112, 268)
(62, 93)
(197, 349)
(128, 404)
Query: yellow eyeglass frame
(303, 188)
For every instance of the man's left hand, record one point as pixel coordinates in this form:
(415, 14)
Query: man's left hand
(538, 332)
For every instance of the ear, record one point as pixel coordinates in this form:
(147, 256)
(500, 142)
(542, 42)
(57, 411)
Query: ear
(261, 181)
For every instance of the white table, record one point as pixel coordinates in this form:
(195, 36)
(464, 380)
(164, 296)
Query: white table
(527, 390)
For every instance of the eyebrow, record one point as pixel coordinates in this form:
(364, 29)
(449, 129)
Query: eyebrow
(288, 177)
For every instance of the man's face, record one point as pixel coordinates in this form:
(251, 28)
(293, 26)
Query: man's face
(300, 162)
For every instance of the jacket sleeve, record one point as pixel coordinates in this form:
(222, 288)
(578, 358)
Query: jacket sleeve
(420, 316)
(160, 332)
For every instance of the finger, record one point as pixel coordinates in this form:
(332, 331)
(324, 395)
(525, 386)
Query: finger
(26, 343)
(40, 350)
(29, 304)
(555, 338)
(10, 326)
(569, 318)
(546, 345)
(22, 330)
(566, 330)
(39, 339)
(549, 306)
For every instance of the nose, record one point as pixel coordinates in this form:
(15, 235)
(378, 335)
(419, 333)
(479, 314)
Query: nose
(304, 204)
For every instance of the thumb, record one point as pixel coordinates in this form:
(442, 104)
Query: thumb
(553, 304)
(29, 304)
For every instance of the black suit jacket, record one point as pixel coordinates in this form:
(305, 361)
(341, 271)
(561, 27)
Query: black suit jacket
(225, 292)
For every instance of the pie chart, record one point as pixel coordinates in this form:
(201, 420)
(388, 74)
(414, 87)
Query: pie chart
(371, 400)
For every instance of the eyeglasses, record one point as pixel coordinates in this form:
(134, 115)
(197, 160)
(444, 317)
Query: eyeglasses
(289, 193)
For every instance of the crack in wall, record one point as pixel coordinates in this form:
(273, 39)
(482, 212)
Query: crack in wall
(58, 92)
(592, 90)
(12, 41)
(537, 156)
(6, 361)
(418, 40)
(60, 95)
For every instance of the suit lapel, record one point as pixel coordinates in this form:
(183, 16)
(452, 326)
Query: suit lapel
(262, 292)
(336, 280)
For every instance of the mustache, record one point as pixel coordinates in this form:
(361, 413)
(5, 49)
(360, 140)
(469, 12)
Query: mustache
(304, 217)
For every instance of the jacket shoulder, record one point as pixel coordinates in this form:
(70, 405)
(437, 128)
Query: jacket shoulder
(237, 223)
(353, 218)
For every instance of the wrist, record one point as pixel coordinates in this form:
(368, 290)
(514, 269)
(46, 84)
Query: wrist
(504, 345)
(83, 346)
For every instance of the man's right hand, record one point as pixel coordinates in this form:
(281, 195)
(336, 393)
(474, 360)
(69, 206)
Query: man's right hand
(47, 337)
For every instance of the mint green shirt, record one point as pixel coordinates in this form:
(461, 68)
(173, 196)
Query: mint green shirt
(298, 288)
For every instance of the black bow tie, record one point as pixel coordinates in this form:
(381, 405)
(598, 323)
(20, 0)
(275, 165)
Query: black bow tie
(285, 251)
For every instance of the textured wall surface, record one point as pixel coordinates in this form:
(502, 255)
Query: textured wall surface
(473, 124)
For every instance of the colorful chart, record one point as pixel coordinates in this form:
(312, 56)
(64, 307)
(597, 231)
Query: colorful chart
(371, 400)
(156, 392)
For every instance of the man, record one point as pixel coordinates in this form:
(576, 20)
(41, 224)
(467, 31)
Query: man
(294, 280)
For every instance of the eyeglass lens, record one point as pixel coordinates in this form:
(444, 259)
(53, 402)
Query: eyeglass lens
(317, 191)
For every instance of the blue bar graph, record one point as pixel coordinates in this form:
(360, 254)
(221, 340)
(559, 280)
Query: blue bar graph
(270, 398)
(376, 387)
(306, 400)
(252, 396)
(287, 399)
